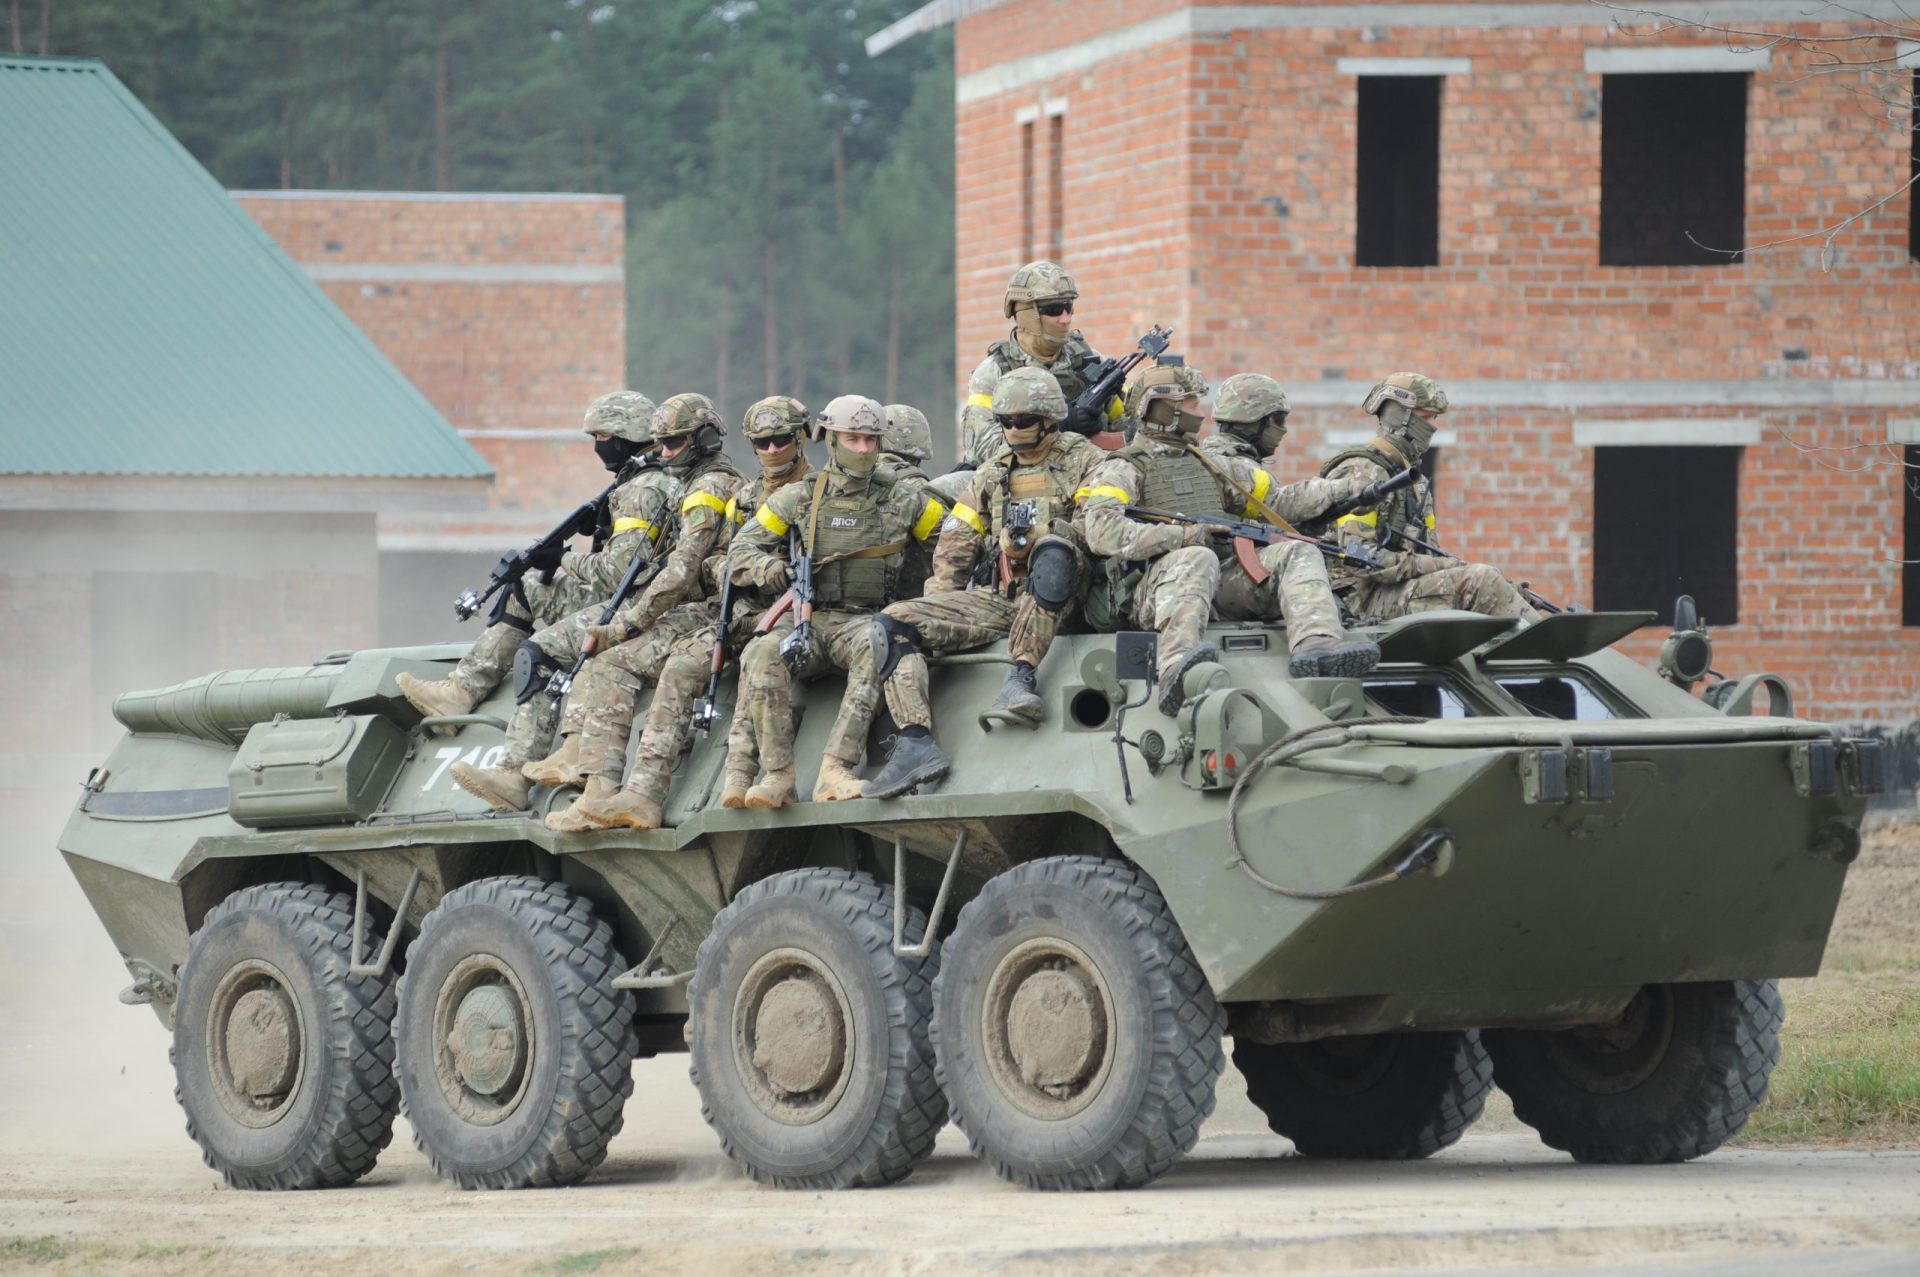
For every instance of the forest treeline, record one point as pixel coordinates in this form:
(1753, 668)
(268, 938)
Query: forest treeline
(789, 200)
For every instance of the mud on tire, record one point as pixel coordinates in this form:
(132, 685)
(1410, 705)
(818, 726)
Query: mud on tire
(809, 1039)
(1380, 1096)
(515, 1051)
(283, 1062)
(1674, 1079)
(1078, 1040)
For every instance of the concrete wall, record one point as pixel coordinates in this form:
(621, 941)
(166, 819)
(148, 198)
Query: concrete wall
(1208, 182)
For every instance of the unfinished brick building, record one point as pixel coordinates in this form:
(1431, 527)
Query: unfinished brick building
(1526, 203)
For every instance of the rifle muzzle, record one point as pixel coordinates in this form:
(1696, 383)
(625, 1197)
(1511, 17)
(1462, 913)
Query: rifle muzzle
(467, 605)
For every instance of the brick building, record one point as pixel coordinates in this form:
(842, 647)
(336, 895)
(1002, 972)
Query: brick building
(508, 312)
(1513, 197)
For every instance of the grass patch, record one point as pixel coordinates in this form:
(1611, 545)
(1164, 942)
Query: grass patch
(34, 1250)
(586, 1261)
(1849, 1061)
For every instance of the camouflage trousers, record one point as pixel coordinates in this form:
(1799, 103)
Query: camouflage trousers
(530, 730)
(555, 604)
(1297, 591)
(763, 716)
(1175, 598)
(956, 621)
(1470, 587)
(609, 688)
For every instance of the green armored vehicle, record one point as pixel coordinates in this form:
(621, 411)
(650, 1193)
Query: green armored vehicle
(1509, 854)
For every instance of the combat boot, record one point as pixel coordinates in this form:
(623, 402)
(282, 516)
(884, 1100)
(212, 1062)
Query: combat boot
(561, 767)
(774, 790)
(1020, 693)
(504, 788)
(580, 815)
(916, 760)
(1325, 656)
(1173, 681)
(628, 809)
(836, 782)
(739, 778)
(441, 697)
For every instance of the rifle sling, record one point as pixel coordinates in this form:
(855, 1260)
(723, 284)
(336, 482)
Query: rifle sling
(1225, 476)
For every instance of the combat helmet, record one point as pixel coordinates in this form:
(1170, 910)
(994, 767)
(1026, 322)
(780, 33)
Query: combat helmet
(1032, 397)
(1038, 282)
(1252, 406)
(1395, 401)
(1169, 384)
(622, 414)
(770, 418)
(908, 433)
(684, 415)
(853, 415)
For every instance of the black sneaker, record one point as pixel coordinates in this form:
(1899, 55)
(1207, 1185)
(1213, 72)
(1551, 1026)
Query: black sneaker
(915, 761)
(1020, 693)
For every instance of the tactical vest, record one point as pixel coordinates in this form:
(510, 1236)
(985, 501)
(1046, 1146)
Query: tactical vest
(1069, 367)
(1407, 508)
(843, 523)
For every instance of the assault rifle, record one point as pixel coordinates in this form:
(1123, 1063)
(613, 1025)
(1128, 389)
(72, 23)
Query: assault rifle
(543, 556)
(1526, 591)
(1246, 535)
(796, 649)
(1372, 494)
(704, 707)
(562, 680)
(1087, 414)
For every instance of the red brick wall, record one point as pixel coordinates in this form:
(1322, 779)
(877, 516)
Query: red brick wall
(1209, 184)
(507, 312)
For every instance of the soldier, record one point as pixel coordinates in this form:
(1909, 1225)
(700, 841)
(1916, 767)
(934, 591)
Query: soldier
(1035, 564)
(1186, 567)
(1408, 405)
(688, 432)
(676, 654)
(904, 448)
(1039, 299)
(1250, 416)
(639, 512)
(854, 524)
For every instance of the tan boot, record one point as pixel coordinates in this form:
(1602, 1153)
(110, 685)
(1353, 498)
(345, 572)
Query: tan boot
(576, 816)
(739, 778)
(627, 810)
(440, 697)
(504, 788)
(836, 782)
(561, 767)
(774, 790)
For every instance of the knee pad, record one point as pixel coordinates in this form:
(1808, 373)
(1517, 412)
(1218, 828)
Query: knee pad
(890, 640)
(532, 667)
(1051, 572)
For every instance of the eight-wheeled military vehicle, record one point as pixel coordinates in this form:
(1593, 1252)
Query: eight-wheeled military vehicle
(1510, 854)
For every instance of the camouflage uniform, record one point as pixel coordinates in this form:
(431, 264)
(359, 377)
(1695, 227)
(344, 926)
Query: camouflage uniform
(904, 448)
(1410, 580)
(1187, 571)
(855, 524)
(1025, 347)
(676, 654)
(1250, 412)
(636, 523)
(959, 611)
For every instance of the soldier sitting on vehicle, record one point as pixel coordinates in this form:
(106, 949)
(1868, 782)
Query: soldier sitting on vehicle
(904, 449)
(838, 541)
(1040, 300)
(1013, 524)
(639, 515)
(1250, 418)
(1411, 578)
(1167, 577)
(676, 653)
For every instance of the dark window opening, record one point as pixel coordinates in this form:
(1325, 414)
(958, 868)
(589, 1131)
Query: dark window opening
(1910, 538)
(1559, 696)
(1665, 523)
(1418, 698)
(1026, 192)
(1913, 142)
(1397, 188)
(1673, 168)
(1056, 199)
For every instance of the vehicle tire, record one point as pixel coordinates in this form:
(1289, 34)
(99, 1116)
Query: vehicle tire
(1673, 1079)
(516, 1053)
(1078, 1041)
(1381, 1096)
(809, 1039)
(283, 1062)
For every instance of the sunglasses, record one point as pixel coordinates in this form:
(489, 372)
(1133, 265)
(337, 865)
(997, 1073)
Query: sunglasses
(1025, 421)
(1053, 310)
(773, 443)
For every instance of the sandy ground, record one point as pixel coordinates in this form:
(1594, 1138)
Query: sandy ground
(97, 1175)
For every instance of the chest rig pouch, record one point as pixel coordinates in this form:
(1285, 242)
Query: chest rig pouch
(1026, 514)
(857, 540)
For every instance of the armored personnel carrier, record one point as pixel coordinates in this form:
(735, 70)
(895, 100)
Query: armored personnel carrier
(1510, 854)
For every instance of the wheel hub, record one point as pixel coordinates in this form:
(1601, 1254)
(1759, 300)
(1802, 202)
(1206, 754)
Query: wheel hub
(1048, 1028)
(800, 1043)
(793, 1036)
(486, 1044)
(1612, 1058)
(261, 1045)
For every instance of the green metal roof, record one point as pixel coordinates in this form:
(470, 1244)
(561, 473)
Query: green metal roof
(148, 326)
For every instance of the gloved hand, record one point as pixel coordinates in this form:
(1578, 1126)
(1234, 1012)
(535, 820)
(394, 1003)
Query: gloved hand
(1202, 534)
(598, 638)
(776, 576)
(544, 557)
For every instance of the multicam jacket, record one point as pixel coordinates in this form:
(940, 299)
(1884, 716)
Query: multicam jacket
(982, 437)
(1409, 508)
(640, 512)
(857, 533)
(701, 525)
(975, 523)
